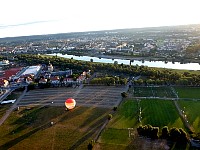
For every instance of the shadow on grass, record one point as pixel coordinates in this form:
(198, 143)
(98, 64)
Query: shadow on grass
(95, 114)
(73, 113)
(28, 115)
(21, 138)
(91, 130)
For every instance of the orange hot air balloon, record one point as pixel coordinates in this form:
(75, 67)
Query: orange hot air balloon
(70, 103)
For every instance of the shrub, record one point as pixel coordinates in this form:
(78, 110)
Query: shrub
(90, 145)
(115, 108)
(124, 94)
(109, 116)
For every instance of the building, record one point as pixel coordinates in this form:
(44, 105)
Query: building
(3, 82)
(50, 67)
(4, 62)
(62, 73)
(55, 81)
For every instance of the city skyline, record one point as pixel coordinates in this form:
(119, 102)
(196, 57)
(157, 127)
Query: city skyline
(22, 18)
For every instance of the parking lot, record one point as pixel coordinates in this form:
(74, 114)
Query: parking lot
(97, 96)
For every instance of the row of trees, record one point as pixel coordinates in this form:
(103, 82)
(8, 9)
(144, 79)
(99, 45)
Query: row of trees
(174, 134)
(153, 75)
(109, 81)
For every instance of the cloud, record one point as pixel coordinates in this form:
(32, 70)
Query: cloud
(24, 24)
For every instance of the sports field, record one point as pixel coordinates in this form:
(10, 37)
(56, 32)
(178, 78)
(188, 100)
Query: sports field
(188, 92)
(161, 92)
(158, 113)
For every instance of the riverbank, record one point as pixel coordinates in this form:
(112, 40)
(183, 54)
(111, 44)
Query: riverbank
(182, 61)
(144, 61)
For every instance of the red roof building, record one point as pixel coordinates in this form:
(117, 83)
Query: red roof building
(10, 72)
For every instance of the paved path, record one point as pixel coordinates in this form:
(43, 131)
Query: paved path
(183, 117)
(9, 111)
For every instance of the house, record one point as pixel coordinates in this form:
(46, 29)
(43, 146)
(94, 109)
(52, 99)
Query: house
(29, 80)
(50, 67)
(68, 81)
(81, 78)
(43, 81)
(55, 81)
(3, 82)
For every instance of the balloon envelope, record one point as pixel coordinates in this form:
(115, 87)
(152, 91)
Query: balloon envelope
(70, 103)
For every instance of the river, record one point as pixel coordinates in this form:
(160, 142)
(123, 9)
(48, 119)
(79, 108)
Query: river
(157, 64)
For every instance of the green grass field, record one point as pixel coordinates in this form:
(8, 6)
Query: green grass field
(32, 129)
(188, 92)
(154, 92)
(160, 113)
(191, 109)
(115, 136)
(125, 117)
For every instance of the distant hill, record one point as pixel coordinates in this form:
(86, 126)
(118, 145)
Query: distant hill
(75, 34)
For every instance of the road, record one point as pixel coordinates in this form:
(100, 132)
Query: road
(9, 111)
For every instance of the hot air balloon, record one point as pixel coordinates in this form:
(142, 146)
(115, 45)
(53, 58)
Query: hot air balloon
(70, 103)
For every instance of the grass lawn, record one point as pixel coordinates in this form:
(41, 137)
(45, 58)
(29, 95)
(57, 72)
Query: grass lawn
(70, 130)
(125, 116)
(14, 95)
(116, 136)
(188, 92)
(191, 109)
(160, 113)
(3, 109)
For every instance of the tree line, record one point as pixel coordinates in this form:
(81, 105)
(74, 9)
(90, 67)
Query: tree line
(109, 80)
(177, 135)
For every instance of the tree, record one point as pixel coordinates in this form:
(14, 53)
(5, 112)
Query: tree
(165, 132)
(90, 145)
(110, 116)
(115, 108)
(32, 86)
(124, 94)
(174, 134)
(183, 137)
(154, 133)
(140, 130)
(148, 131)
(115, 63)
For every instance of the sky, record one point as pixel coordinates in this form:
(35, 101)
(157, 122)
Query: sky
(36, 17)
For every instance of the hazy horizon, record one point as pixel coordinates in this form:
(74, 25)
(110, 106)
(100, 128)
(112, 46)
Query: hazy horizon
(22, 18)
